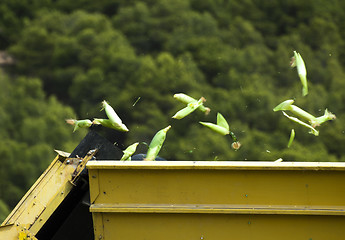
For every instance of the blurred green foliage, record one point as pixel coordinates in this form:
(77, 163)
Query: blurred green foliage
(71, 55)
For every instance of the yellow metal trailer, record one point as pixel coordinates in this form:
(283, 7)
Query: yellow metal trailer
(217, 200)
(56, 207)
(43, 198)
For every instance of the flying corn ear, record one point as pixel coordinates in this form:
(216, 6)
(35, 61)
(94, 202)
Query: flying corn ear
(292, 137)
(156, 144)
(297, 61)
(184, 98)
(312, 120)
(288, 106)
(191, 107)
(129, 151)
(222, 127)
(107, 123)
(113, 117)
(79, 123)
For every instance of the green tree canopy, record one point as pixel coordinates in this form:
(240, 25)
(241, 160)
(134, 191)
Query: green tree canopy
(32, 127)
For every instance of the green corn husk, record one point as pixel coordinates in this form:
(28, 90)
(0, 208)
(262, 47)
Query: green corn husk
(292, 137)
(302, 114)
(113, 117)
(301, 70)
(79, 123)
(314, 121)
(222, 126)
(129, 151)
(156, 144)
(109, 124)
(313, 130)
(222, 122)
(216, 128)
(184, 98)
(191, 107)
(326, 117)
(288, 106)
(283, 106)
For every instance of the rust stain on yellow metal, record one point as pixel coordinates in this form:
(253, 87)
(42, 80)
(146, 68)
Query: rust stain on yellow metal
(217, 200)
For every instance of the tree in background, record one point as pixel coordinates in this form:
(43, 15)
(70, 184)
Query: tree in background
(31, 128)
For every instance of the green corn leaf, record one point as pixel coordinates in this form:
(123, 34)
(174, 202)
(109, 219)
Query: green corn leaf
(326, 117)
(286, 105)
(216, 128)
(313, 130)
(222, 122)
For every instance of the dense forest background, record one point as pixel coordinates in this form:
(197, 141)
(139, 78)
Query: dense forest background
(65, 57)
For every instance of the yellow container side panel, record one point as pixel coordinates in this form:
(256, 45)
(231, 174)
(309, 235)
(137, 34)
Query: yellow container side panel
(139, 226)
(307, 188)
(227, 200)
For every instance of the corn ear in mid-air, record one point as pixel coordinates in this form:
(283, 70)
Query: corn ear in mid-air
(113, 117)
(313, 121)
(129, 151)
(191, 107)
(288, 106)
(107, 123)
(156, 144)
(216, 128)
(79, 123)
(297, 61)
(222, 127)
(292, 137)
(184, 98)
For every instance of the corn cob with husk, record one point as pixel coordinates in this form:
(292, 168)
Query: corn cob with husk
(156, 144)
(129, 151)
(222, 127)
(292, 137)
(107, 123)
(191, 107)
(115, 120)
(297, 61)
(312, 120)
(86, 123)
(184, 98)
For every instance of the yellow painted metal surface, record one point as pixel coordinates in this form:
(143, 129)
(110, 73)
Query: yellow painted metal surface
(217, 200)
(39, 203)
